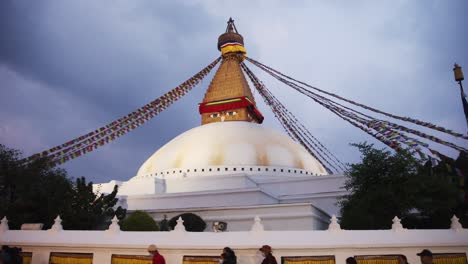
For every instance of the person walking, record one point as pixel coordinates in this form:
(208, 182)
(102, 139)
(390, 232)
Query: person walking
(267, 253)
(351, 260)
(426, 256)
(156, 257)
(229, 256)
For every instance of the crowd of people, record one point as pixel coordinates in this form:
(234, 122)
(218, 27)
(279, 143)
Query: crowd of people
(229, 256)
(12, 255)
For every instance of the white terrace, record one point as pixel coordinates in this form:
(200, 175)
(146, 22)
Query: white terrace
(336, 243)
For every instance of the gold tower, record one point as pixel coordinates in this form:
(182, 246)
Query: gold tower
(229, 97)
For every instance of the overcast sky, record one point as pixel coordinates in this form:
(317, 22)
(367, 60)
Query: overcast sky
(69, 67)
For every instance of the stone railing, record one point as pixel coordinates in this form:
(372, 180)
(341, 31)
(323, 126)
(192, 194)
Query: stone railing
(178, 243)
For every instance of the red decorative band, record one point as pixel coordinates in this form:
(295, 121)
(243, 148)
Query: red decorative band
(229, 104)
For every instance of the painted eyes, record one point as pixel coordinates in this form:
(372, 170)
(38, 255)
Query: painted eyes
(230, 113)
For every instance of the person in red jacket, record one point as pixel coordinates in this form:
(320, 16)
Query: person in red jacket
(266, 252)
(157, 258)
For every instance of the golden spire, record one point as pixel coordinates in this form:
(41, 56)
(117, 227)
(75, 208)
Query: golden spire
(229, 97)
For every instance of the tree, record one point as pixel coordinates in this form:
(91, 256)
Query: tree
(192, 222)
(385, 184)
(139, 221)
(36, 192)
(88, 210)
(32, 192)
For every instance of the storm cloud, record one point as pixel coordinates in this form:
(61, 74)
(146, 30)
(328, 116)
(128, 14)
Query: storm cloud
(68, 67)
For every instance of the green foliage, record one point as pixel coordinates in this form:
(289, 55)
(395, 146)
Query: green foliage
(192, 222)
(88, 210)
(139, 221)
(462, 165)
(385, 184)
(30, 193)
(36, 192)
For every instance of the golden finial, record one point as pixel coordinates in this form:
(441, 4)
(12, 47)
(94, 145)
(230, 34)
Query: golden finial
(231, 41)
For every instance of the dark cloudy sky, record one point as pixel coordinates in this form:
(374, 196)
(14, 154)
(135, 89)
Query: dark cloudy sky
(68, 67)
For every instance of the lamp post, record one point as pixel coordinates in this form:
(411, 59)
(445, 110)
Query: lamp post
(458, 73)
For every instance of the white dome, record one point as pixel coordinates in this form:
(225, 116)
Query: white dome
(234, 143)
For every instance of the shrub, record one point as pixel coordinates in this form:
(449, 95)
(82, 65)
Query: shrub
(192, 222)
(139, 221)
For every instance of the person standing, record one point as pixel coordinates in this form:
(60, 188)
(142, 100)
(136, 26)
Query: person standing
(426, 256)
(157, 258)
(164, 224)
(267, 253)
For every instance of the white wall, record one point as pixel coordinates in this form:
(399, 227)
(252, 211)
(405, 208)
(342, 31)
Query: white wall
(174, 245)
(207, 199)
(298, 216)
(227, 189)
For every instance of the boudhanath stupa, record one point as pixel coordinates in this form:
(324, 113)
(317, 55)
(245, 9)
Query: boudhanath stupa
(251, 184)
(232, 168)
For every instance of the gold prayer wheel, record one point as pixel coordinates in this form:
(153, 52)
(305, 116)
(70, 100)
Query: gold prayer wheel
(457, 71)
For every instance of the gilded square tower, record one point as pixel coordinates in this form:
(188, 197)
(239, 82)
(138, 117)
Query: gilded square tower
(229, 97)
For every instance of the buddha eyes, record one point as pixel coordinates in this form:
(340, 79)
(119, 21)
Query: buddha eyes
(230, 113)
